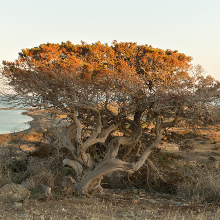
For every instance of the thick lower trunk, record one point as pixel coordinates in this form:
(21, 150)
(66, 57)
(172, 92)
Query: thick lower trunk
(111, 164)
(91, 180)
(84, 165)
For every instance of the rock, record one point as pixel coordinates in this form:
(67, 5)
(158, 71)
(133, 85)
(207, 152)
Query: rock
(41, 217)
(25, 184)
(68, 185)
(25, 216)
(169, 147)
(17, 205)
(36, 212)
(14, 193)
(47, 190)
(64, 210)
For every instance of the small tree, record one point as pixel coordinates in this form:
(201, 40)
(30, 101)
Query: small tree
(108, 92)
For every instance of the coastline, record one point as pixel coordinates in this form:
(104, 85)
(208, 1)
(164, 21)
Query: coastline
(25, 138)
(13, 120)
(26, 112)
(12, 108)
(32, 123)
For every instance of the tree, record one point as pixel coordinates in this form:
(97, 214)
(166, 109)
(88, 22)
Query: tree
(108, 93)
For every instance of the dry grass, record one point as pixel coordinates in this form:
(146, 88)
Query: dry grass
(99, 209)
(17, 166)
(200, 183)
(39, 172)
(198, 215)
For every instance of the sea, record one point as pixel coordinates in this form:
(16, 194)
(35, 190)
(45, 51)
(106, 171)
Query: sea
(12, 120)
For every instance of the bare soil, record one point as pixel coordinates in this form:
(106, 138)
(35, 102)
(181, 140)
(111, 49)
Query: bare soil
(111, 205)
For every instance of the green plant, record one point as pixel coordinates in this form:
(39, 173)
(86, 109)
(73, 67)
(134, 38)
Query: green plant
(68, 171)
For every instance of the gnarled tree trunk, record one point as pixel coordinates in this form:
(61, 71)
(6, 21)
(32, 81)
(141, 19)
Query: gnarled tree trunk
(89, 174)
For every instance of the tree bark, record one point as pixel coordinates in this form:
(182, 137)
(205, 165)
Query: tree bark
(105, 167)
(92, 176)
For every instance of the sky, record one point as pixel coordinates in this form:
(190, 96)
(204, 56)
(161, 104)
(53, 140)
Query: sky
(190, 26)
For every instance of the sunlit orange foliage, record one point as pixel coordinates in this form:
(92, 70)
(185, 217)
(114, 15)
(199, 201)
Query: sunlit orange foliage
(125, 66)
(97, 59)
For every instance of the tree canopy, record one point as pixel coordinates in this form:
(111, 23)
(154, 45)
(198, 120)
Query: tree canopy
(101, 63)
(108, 93)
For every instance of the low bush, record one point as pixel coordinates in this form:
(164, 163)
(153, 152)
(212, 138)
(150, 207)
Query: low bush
(200, 183)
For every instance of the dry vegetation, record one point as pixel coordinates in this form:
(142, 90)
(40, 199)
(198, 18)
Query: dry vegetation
(185, 184)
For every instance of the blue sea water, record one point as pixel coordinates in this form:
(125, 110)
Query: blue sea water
(12, 120)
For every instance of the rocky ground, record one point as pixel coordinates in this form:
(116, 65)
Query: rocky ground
(111, 205)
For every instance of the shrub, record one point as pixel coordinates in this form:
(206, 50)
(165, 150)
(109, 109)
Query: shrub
(200, 183)
(39, 172)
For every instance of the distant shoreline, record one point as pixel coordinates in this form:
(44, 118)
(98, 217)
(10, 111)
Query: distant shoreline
(11, 108)
(27, 125)
(41, 119)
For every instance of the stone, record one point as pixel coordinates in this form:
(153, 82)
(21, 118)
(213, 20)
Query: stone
(14, 193)
(36, 212)
(17, 205)
(25, 184)
(169, 147)
(25, 216)
(47, 190)
(41, 217)
(68, 185)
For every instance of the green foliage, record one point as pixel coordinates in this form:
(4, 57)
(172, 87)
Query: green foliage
(68, 171)
(18, 165)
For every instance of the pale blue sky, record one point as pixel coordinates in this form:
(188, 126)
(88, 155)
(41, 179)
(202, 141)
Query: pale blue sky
(190, 26)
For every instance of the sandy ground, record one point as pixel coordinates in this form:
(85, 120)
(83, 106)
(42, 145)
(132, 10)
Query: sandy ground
(205, 146)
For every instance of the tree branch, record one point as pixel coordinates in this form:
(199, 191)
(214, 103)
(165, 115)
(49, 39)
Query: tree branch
(147, 152)
(75, 165)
